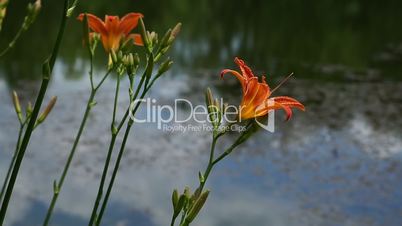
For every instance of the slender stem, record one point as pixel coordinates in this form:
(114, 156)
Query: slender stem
(12, 43)
(122, 148)
(12, 161)
(116, 99)
(32, 121)
(172, 221)
(210, 164)
(114, 132)
(183, 216)
(109, 189)
(69, 159)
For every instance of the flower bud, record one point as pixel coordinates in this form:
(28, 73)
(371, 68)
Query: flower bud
(153, 37)
(176, 30)
(129, 63)
(113, 56)
(174, 34)
(179, 206)
(165, 66)
(3, 10)
(136, 60)
(120, 56)
(201, 177)
(47, 110)
(131, 59)
(175, 198)
(208, 98)
(33, 11)
(17, 106)
(29, 109)
(165, 38)
(144, 35)
(197, 206)
(187, 192)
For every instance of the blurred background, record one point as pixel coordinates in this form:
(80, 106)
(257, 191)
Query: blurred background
(339, 163)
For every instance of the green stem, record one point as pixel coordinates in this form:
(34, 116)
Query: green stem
(32, 121)
(12, 43)
(76, 141)
(12, 161)
(210, 164)
(114, 132)
(122, 148)
(57, 190)
(109, 189)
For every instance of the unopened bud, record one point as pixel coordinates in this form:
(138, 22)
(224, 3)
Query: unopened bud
(136, 60)
(165, 66)
(29, 108)
(176, 30)
(174, 34)
(201, 177)
(197, 206)
(17, 106)
(208, 98)
(3, 10)
(47, 110)
(165, 38)
(120, 56)
(131, 59)
(113, 56)
(187, 192)
(153, 36)
(33, 11)
(179, 206)
(175, 198)
(144, 34)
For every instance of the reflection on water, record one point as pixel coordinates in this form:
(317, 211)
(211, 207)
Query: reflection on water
(339, 163)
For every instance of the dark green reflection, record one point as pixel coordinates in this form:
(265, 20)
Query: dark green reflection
(325, 39)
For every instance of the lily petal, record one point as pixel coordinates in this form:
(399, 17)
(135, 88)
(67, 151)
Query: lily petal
(288, 101)
(241, 79)
(94, 23)
(129, 22)
(136, 39)
(245, 70)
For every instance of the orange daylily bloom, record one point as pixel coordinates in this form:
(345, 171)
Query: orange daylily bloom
(256, 99)
(113, 30)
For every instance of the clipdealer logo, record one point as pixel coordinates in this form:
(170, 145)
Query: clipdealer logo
(171, 118)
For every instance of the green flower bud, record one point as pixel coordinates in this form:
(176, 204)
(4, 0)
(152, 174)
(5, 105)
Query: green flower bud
(144, 35)
(32, 12)
(17, 106)
(197, 206)
(29, 109)
(47, 110)
(165, 66)
(175, 198)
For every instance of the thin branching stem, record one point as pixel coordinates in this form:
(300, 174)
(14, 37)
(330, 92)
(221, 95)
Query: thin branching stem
(10, 168)
(38, 103)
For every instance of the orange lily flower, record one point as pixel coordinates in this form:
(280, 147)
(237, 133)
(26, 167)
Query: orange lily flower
(113, 30)
(256, 99)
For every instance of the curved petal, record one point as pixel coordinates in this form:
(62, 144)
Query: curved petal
(246, 70)
(94, 23)
(241, 79)
(281, 102)
(289, 101)
(129, 22)
(112, 25)
(137, 40)
(247, 107)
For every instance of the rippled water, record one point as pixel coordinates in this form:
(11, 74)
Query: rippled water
(339, 163)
